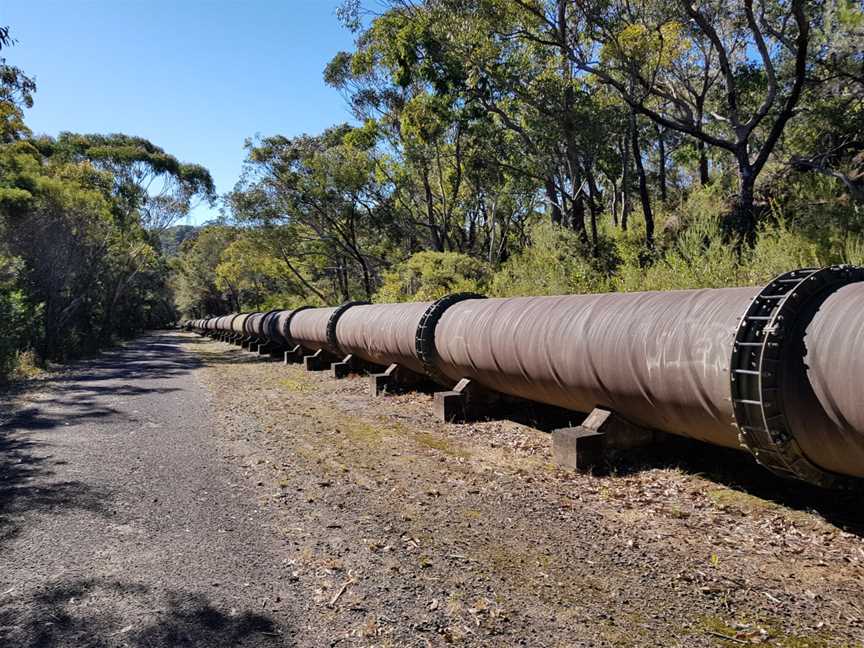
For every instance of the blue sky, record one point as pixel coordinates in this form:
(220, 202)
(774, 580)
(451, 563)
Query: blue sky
(195, 77)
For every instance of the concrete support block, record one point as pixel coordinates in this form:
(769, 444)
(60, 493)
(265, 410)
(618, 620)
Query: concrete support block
(466, 402)
(345, 367)
(601, 434)
(269, 351)
(318, 361)
(294, 355)
(351, 364)
(392, 379)
(277, 353)
(578, 448)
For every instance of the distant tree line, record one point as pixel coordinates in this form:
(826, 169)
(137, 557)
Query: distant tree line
(80, 216)
(519, 146)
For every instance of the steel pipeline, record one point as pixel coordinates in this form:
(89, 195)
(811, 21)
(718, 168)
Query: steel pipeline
(776, 370)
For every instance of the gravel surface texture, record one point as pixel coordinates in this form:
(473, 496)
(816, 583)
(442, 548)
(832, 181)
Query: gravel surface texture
(121, 524)
(182, 492)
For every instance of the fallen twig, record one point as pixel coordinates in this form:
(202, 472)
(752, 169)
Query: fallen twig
(726, 637)
(341, 591)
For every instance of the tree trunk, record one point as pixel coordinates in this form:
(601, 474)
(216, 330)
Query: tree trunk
(626, 205)
(437, 243)
(577, 216)
(742, 221)
(554, 204)
(703, 163)
(594, 208)
(643, 183)
(661, 167)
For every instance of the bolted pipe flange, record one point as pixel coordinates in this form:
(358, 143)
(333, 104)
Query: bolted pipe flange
(332, 340)
(424, 342)
(761, 341)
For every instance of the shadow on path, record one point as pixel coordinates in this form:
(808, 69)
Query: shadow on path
(81, 395)
(92, 613)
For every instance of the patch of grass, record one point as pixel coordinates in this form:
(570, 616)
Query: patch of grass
(443, 445)
(294, 385)
(26, 365)
(360, 431)
(472, 514)
(740, 501)
(715, 626)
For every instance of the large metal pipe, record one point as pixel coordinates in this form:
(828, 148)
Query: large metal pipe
(775, 370)
(309, 329)
(725, 366)
(280, 326)
(661, 359)
(383, 334)
(238, 324)
(252, 325)
(822, 392)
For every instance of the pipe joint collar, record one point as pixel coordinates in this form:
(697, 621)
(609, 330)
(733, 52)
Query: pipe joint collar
(332, 339)
(424, 341)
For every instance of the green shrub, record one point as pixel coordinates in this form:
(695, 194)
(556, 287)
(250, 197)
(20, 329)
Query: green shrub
(15, 317)
(431, 275)
(779, 249)
(556, 262)
(853, 250)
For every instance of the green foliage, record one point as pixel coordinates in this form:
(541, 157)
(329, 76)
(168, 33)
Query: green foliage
(699, 255)
(15, 313)
(427, 276)
(555, 262)
(514, 148)
(80, 255)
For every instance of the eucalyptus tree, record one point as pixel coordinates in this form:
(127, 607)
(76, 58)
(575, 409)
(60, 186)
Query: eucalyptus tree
(16, 93)
(148, 189)
(450, 171)
(326, 187)
(666, 60)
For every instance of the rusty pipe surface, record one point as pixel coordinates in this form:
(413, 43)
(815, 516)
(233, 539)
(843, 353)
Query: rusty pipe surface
(252, 325)
(238, 324)
(659, 359)
(775, 370)
(308, 328)
(672, 361)
(823, 393)
(382, 334)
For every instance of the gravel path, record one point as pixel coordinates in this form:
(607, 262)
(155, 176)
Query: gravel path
(120, 522)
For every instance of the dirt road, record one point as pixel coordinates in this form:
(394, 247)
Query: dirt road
(179, 492)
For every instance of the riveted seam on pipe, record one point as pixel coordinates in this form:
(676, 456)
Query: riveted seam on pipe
(266, 323)
(286, 328)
